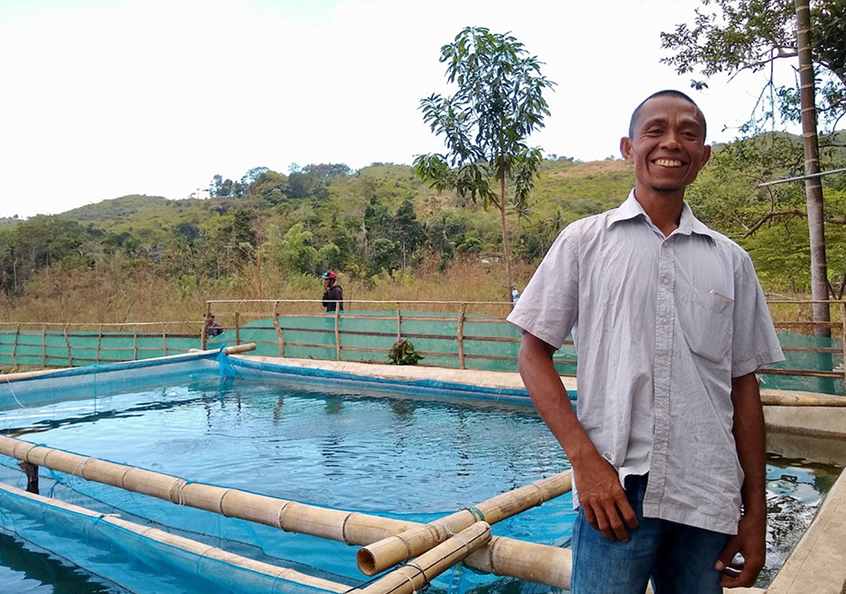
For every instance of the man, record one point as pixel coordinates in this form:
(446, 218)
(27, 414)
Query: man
(333, 295)
(670, 325)
(212, 327)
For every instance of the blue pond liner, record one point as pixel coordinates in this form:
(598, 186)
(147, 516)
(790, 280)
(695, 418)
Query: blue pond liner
(100, 382)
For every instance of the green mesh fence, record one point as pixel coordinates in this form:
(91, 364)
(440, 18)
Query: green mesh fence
(487, 343)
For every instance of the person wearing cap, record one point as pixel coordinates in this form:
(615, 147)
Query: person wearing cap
(333, 295)
(212, 328)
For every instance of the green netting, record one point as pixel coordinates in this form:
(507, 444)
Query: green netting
(488, 344)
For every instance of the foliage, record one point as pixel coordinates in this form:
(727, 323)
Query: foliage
(729, 36)
(485, 124)
(402, 353)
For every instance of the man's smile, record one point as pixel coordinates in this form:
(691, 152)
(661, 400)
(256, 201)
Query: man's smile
(668, 162)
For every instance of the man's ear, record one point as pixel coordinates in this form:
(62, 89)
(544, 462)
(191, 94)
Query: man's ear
(706, 155)
(626, 148)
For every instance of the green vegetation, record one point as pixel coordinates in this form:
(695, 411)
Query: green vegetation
(389, 236)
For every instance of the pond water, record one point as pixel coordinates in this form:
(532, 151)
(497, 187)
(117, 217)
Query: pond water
(393, 455)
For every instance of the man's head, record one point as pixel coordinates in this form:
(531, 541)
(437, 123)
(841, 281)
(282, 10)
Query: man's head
(329, 277)
(666, 143)
(666, 93)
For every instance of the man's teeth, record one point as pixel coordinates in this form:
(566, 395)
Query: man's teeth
(668, 163)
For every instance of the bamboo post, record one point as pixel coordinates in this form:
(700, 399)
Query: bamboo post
(15, 346)
(68, 344)
(280, 337)
(378, 556)
(237, 328)
(99, 342)
(461, 336)
(134, 343)
(164, 338)
(414, 576)
(203, 336)
(337, 333)
(399, 323)
(502, 556)
(843, 321)
(44, 345)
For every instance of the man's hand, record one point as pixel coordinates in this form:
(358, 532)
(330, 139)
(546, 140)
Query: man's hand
(750, 541)
(604, 499)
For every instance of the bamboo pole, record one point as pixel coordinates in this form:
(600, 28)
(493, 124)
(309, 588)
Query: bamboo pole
(461, 336)
(15, 346)
(192, 546)
(164, 338)
(99, 343)
(68, 345)
(203, 334)
(134, 344)
(337, 332)
(237, 327)
(413, 577)
(44, 346)
(843, 321)
(279, 336)
(399, 323)
(378, 556)
(502, 556)
(802, 400)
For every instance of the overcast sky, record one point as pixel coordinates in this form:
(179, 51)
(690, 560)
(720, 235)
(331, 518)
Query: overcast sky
(103, 98)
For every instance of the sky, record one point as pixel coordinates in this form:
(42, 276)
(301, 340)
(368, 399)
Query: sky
(104, 98)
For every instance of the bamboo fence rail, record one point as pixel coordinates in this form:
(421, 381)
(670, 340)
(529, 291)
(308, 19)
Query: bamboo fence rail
(501, 556)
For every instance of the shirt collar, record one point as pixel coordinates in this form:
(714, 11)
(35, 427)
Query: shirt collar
(631, 209)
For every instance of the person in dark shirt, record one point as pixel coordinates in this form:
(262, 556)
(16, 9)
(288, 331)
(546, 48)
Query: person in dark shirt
(212, 328)
(333, 295)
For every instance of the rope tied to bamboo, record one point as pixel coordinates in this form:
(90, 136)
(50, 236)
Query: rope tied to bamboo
(477, 513)
(179, 483)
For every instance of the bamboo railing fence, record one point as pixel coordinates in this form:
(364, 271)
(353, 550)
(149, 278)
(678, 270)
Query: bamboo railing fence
(457, 334)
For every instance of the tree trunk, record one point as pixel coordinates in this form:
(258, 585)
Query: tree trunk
(506, 254)
(813, 185)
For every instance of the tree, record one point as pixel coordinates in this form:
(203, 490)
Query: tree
(486, 123)
(407, 230)
(750, 35)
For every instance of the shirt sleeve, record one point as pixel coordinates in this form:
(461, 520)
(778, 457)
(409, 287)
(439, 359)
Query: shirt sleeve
(548, 307)
(754, 342)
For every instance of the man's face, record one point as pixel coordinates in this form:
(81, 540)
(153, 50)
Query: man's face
(668, 145)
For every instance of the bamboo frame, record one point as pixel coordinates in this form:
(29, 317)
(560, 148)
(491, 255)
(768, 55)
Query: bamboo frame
(379, 556)
(198, 548)
(502, 556)
(413, 577)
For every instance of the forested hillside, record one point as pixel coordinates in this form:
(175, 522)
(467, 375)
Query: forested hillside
(388, 235)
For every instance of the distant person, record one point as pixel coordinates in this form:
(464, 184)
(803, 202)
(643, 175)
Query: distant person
(333, 295)
(212, 327)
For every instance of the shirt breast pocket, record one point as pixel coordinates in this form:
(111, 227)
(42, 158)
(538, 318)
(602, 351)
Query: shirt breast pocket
(706, 321)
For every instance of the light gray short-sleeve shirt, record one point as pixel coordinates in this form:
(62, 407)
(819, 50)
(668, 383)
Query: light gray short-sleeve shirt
(661, 325)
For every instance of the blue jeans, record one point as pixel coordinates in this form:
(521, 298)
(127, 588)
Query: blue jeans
(679, 559)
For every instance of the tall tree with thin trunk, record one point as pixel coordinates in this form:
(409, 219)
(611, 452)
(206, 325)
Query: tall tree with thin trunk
(486, 123)
(751, 35)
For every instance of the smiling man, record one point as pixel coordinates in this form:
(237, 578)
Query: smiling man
(670, 325)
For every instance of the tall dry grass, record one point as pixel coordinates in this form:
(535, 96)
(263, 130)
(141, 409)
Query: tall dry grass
(111, 293)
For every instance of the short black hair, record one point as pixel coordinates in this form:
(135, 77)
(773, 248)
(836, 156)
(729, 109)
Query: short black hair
(667, 93)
